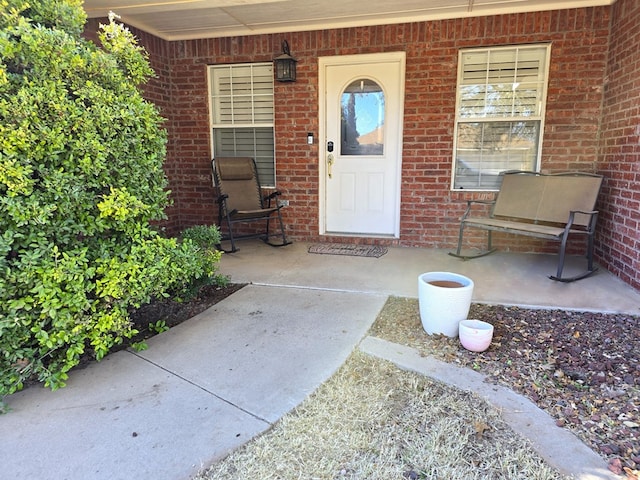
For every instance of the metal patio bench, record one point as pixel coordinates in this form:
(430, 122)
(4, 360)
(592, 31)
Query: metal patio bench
(240, 200)
(549, 206)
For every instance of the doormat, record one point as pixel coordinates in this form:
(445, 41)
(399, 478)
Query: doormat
(345, 249)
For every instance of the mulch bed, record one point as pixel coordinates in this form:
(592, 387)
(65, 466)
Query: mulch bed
(174, 313)
(583, 368)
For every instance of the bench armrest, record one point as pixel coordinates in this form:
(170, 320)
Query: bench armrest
(593, 216)
(271, 196)
(471, 203)
(482, 202)
(221, 198)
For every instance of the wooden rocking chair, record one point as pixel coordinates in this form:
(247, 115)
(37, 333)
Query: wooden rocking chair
(240, 200)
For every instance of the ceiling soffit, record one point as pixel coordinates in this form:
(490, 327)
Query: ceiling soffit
(189, 19)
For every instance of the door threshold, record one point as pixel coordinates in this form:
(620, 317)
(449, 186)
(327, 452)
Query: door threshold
(361, 235)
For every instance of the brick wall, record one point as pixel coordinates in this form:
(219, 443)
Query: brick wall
(159, 91)
(619, 241)
(430, 211)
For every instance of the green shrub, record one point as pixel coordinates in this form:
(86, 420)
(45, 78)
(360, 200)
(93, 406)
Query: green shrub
(81, 181)
(204, 236)
(206, 239)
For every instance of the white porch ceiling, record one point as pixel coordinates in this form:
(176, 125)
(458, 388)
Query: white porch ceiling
(188, 19)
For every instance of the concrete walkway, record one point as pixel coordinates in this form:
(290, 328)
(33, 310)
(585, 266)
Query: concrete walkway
(209, 385)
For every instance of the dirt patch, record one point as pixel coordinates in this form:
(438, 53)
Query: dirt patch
(583, 368)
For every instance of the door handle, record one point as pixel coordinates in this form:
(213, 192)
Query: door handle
(330, 161)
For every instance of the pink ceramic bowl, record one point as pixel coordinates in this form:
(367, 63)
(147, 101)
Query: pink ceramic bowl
(475, 335)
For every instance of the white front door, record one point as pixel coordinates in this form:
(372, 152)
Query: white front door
(361, 109)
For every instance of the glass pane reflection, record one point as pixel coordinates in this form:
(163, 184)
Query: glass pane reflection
(362, 119)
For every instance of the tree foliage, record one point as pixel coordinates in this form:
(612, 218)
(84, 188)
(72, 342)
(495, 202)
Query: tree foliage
(81, 183)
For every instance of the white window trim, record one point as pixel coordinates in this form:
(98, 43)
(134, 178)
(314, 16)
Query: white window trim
(213, 125)
(458, 119)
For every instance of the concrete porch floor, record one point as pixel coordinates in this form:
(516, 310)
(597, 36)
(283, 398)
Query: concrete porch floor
(499, 278)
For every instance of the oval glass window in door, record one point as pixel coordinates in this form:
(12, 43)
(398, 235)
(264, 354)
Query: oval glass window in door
(362, 119)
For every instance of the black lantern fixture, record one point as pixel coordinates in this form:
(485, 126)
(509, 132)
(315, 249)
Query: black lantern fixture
(285, 65)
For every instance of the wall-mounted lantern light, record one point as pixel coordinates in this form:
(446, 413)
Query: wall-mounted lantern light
(285, 65)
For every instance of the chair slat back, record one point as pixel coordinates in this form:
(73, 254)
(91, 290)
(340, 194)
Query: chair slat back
(519, 196)
(237, 177)
(566, 193)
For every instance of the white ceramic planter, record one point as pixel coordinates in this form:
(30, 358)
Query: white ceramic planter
(444, 299)
(475, 335)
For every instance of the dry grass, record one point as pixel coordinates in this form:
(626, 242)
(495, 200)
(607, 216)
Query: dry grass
(374, 421)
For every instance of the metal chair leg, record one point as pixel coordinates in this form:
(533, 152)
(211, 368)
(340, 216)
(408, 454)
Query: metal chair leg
(561, 257)
(458, 252)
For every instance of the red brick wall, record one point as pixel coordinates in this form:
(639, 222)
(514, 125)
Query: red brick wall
(619, 243)
(430, 211)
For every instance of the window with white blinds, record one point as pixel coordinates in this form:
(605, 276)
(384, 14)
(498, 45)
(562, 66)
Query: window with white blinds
(500, 108)
(241, 98)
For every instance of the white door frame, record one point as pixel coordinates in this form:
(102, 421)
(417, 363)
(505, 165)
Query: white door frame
(398, 58)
